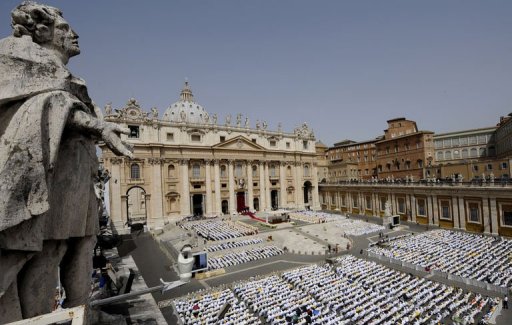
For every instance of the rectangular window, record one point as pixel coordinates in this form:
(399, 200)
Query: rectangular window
(463, 141)
(255, 184)
(447, 143)
(134, 131)
(195, 137)
(223, 185)
(475, 168)
(506, 211)
(222, 138)
(401, 205)
(343, 200)
(197, 187)
(438, 144)
(472, 140)
(445, 209)
(368, 200)
(355, 201)
(287, 145)
(273, 143)
(253, 140)
(489, 166)
(455, 142)
(170, 136)
(421, 207)
(305, 144)
(474, 215)
(503, 165)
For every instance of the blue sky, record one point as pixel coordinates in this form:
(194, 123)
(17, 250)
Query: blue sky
(345, 67)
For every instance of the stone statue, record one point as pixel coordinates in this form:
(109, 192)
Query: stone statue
(491, 178)
(154, 112)
(214, 118)
(183, 116)
(265, 125)
(246, 122)
(387, 209)
(48, 206)
(238, 119)
(206, 118)
(279, 127)
(108, 109)
(228, 120)
(257, 124)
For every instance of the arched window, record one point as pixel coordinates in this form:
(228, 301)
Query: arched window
(482, 152)
(196, 170)
(473, 152)
(254, 171)
(135, 171)
(306, 170)
(171, 171)
(448, 155)
(439, 155)
(464, 153)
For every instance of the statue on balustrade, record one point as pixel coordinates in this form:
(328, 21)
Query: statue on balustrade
(48, 129)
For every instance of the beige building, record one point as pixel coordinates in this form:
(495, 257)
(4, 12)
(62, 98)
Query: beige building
(482, 208)
(188, 162)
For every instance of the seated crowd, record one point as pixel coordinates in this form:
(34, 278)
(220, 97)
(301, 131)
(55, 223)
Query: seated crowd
(244, 256)
(310, 216)
(354, 291)
(218, 229)
(354, 227)
(471, 256)
(203, 309)
(233, 244)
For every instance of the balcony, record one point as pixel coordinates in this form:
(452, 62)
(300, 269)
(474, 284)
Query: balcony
(135, 181)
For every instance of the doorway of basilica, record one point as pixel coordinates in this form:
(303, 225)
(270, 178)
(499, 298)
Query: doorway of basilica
(197, 204)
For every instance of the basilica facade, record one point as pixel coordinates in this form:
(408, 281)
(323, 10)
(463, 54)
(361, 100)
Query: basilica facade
(188, 162)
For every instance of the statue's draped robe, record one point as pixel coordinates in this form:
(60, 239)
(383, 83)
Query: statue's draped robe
(46, 168)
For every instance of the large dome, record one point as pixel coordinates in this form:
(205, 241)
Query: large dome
(186, 109)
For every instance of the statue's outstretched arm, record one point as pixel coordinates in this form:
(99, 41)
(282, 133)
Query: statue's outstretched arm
(106, 131)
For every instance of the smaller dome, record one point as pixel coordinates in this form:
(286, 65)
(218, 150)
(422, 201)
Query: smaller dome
(186, 109)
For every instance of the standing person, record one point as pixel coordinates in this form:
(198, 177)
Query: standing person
(48, 129)
(505, 302)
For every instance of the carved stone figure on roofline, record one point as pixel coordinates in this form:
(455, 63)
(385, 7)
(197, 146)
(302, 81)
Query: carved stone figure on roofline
(48, 163)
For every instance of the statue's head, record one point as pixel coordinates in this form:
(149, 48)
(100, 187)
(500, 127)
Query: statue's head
(46, 26)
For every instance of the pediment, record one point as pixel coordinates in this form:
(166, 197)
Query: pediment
(239, 143)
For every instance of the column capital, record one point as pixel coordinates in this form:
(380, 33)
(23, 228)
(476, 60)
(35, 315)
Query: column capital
(208, 162)
(183, 161)
(116, 160)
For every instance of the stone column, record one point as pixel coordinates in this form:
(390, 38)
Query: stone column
(435, 210)
(455, 213)
(250, 189)
(462, 213)
(124, 209)
(216, 172)
(315, 205)
(208, 187)
(263, 196)
(231, 185)
(394, 207)
(413, 208)
(267, 188)
(494, 217)
(408, 206)
(375, 204)
(282, 185)
(486, 218)
(156, 191)
(430, 211)
(115, 201)
(299, 184)
(185, 188)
